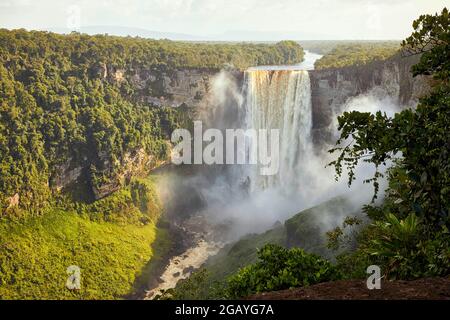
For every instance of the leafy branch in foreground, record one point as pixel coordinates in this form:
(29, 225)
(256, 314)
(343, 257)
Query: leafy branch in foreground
(430, 38)
(373, 138)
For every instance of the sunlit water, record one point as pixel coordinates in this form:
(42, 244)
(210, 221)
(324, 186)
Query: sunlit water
(280, 99)
(307, 64)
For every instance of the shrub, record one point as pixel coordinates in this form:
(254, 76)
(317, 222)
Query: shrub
(280, 268)
(405, 250)
(401, 248)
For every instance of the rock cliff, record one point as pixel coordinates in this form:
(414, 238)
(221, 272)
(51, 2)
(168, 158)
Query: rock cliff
(158, 87)
(332, 88)
(161, 86)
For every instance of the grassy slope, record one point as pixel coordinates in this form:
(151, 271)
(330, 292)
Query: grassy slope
(35, 253)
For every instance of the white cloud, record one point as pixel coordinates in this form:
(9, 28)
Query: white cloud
(343, 19)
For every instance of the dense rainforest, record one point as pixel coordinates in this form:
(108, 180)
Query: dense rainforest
(356, 54)
(57, 106)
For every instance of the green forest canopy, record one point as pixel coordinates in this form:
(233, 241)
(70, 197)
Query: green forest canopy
(357, 53)
(56, 105)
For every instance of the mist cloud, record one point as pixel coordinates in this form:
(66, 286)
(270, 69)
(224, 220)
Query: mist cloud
(219, 193)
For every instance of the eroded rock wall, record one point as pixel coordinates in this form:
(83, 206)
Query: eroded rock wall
(157, 87)
(332, 88)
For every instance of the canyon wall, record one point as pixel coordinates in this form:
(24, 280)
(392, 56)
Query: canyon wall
(159, 86)
(332, 88)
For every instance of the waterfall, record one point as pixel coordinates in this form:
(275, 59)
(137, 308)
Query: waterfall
(281, 99)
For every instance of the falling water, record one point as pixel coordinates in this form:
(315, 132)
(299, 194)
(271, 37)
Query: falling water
(281, 99)
(277, 97)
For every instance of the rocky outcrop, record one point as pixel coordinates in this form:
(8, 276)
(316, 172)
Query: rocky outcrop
(332, 88)
(160, 86)
(70, 173)
(65, 174)
(14, 201)
(134, 163)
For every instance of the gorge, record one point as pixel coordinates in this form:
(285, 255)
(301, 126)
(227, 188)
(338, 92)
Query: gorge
(300, 103)
(193, 91)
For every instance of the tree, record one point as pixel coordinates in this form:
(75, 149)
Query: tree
(418, 141)
(431, 38)
(409, 235)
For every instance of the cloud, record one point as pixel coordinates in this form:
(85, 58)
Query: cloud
(343, 19)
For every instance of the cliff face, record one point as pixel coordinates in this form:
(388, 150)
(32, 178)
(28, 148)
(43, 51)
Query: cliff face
(71, 174)
(332, 88)
(157, 87)
(161, 86)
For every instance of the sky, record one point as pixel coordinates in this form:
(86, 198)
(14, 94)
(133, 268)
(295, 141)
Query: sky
(225, 19)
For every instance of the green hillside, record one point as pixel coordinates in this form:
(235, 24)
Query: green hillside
(110, 241)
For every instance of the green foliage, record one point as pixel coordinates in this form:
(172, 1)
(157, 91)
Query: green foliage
(34, 256)
(431, 38)
(397, 241)
(138, 52)
(110, 240)
(22, 153)
(357, 54)
(397, 235)
(324, 47)
(400, 248)
(341, 236)
(145, 197)
(353, 264)
(279, 268)
(118, 208)
(290, 51)
(72, 100)
(138, 203)
(409, 235)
